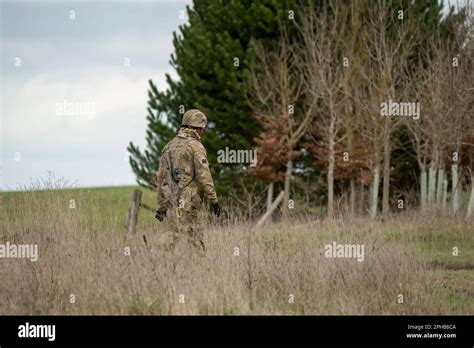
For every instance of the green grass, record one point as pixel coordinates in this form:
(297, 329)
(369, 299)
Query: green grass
(436, 242)
(113, 203)
(453, 275)
(455, 288)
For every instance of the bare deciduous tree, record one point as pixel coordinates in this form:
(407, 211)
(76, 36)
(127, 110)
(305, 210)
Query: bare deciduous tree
(275, 95)
(323, 42)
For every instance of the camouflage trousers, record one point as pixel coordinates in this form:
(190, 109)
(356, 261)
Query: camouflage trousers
(183, 228)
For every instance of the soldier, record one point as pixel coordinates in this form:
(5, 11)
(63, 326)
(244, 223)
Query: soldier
(183, 170)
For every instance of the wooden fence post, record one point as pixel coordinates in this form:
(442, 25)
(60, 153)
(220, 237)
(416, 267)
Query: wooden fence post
(133, 210)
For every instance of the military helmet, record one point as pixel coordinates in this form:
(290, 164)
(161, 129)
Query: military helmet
(194, 118)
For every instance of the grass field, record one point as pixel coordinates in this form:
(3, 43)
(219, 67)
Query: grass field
(279, 268)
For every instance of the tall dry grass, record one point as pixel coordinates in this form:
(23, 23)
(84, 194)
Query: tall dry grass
(82, 252)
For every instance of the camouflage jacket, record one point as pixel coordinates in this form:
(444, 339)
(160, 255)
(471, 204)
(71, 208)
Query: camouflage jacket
(189, 157)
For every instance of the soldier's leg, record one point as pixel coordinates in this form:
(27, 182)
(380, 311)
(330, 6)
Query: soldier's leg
(172, 231)
(193, 230)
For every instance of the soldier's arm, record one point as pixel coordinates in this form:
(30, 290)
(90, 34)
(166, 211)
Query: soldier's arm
(202, 172)
(159, 185)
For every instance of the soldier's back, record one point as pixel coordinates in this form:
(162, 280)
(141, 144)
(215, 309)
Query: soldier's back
(181, 153)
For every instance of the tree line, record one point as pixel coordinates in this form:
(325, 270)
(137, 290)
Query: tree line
(357, 97)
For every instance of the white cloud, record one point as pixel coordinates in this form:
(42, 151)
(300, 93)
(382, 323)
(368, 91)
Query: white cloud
(31, 126)
(65, 53)
(31, 105)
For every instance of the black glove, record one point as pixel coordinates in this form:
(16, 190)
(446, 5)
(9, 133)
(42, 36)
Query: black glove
(216, 209)
(160, 215)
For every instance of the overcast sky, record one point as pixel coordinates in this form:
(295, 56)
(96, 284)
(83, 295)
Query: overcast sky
(69, 104)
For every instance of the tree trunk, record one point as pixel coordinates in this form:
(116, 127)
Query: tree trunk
(269, 196)
(275, 203)
(470, 206)
(286, 195)
(353, 196)
(249, 206)
(386, 175)
(330, 177)
(431, 185)
(455, 188)
(361, 199)
(439, 190)
(445, 192)
(375, 192)
(423, 189)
